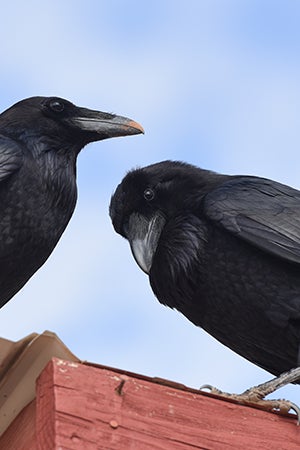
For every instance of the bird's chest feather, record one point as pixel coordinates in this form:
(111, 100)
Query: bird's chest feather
(245, 298)
(215, 273)
(35, 208)
(176, 271)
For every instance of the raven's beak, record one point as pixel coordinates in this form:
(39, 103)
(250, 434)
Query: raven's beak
(104, 125)
(143, 235)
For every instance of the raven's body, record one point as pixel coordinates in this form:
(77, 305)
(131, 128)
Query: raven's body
(35, 208)
(40, 139)
(224, 251)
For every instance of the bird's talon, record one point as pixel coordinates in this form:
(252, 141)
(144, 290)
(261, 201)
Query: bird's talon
(206, 386)
(211, 389)
(286, 406)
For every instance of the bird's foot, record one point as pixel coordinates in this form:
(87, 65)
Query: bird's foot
(255, 395)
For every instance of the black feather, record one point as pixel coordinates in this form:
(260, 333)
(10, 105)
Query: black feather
(40, 139)
(227, 257)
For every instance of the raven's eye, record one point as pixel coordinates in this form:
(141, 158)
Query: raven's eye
(148, 194)
(57, 106)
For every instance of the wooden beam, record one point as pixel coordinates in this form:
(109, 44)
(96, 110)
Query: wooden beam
(80, 406)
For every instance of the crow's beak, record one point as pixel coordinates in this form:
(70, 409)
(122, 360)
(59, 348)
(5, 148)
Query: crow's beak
(143, 235)
(104, 125)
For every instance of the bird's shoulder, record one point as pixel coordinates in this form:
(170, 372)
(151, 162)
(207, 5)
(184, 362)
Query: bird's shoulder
(11, 156)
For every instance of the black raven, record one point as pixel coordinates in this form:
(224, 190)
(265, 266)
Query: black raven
(223, 250)
(40, 138)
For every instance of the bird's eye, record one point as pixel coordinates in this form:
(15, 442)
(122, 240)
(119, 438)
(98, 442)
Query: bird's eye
(148, 194)
(57, 106)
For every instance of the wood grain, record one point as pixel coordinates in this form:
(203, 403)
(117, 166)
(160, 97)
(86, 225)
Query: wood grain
(20, 435)
(82, 407)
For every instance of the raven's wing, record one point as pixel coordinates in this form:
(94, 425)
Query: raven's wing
(260, 211)
(11, 157)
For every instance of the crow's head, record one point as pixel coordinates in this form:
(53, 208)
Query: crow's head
(55, 123)
(147, 199)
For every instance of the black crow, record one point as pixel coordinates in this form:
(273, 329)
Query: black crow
(40, 139)
(223, 250)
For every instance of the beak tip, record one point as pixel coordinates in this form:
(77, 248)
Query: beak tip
(136, 127)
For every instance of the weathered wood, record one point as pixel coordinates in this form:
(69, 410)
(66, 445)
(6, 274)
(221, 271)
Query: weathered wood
(45, 408)
(20, 435)
(82, 407)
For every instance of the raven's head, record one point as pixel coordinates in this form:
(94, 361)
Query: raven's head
(57, 123)
(147, 199)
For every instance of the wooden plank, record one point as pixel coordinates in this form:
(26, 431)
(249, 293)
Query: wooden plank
(84, 407)
(45, 409)
(21, 363)
(20, 435)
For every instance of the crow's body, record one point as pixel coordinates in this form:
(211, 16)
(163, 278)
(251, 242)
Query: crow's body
(222, 250)
(40, 139)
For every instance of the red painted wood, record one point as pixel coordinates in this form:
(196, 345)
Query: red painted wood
(46, 409)
(20, 435)
(79, 407)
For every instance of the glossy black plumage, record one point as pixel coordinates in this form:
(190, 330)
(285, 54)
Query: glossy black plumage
(223, 250)
(40, 139)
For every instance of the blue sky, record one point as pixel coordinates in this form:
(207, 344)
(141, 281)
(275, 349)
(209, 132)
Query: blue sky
(215, 83)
